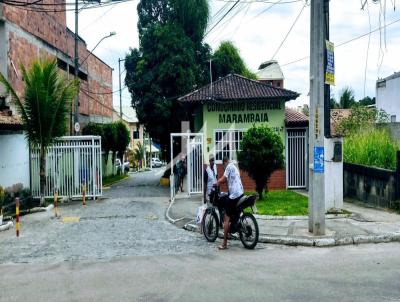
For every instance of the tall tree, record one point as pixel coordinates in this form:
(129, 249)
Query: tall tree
(170, 61)
(226, 60)
(44, 108)
(346, 99)
(367, 101)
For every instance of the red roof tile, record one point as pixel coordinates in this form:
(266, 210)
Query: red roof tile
(293, 117)
(235, 87)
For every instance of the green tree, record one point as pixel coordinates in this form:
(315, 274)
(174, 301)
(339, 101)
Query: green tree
(108, 140)
(93, 129)
(170, 61)
(367, 101)
(333, 104)
(361, 118)
(122, 139)
(346, 99)
(262, 154)
(44, 108)
(138, 153)
(226, 60)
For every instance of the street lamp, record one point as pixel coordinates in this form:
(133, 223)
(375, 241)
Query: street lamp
(113, 33)
(76, 59)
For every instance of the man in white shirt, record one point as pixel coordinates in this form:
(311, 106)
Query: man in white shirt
(235, 189)
(210, 177)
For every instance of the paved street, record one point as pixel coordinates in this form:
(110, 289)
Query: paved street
(123, 249)
(130, 220)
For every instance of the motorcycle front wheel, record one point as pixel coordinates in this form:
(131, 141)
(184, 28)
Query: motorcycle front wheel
(210, 225)
(248, 231)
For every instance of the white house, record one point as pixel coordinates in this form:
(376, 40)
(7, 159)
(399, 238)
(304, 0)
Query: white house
(388, 96)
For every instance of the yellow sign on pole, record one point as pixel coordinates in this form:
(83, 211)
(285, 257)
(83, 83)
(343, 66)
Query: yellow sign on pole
(330, 63)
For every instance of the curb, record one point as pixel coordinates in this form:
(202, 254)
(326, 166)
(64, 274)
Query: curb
(317, 242)
(328, 216)
(106, 187)
(6, 226)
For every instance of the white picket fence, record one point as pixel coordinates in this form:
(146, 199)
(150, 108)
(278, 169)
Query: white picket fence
(72, 163)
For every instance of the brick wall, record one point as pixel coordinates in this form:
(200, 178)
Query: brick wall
(276, 182)
(37, 35)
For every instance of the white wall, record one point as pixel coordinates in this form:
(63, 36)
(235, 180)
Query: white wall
(14, 160)
(333, 176)
(388, 98)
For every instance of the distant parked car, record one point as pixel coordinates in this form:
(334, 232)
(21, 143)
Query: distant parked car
(156, 163)
(124, 167)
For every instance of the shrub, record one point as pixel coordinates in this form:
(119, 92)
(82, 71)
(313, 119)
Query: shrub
(262, 154)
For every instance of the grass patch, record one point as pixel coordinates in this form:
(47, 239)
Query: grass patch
(113, 178)
(283, 203)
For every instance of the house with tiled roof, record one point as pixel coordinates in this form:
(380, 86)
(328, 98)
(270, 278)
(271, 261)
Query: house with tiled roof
(225, 109)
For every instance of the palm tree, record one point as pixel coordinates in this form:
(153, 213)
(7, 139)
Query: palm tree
(44, 108)
(347, 98)
(139, 153)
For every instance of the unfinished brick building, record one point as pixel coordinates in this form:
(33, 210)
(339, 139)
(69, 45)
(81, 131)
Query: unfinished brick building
(28, 33)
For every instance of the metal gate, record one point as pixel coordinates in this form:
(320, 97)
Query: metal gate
(72, 164)
(194, 157)
(296, 158)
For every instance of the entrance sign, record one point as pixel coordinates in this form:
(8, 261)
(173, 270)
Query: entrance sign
(318, 159)
(330, 64)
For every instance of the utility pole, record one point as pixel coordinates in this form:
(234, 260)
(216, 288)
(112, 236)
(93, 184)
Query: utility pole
(120, 88)
(318, 34)
(76, 66)
(211, 80)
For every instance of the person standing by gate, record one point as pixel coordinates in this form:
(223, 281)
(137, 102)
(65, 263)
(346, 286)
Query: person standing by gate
(210, 177)
(182, 170)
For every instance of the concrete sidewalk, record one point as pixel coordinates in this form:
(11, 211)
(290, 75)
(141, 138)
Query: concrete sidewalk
(364, 225)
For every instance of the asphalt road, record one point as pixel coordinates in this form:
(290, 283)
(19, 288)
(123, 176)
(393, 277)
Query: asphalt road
(273, 273)
(123, 249)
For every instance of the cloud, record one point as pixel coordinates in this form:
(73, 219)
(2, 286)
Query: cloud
(258, 38)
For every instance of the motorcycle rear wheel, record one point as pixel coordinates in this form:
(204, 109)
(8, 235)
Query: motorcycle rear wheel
(210, 226)
(248, 231)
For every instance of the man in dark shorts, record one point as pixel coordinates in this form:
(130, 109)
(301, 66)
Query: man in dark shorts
(232, 178)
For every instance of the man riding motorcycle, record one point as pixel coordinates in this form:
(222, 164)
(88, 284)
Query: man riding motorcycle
(235, 188)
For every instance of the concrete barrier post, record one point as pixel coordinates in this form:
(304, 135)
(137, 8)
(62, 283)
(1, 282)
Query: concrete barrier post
(56, 203)
(17, 216)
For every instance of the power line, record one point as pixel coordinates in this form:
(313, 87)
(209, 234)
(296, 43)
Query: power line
(98, 18)
(347, 42)
(223, 25)
(291, 28)
(35, 8)
(103, 93)
(232, 7)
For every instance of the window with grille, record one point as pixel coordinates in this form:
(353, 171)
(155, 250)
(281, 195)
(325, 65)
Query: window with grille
(227, 143)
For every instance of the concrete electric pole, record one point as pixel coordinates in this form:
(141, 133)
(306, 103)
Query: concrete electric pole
(318, 36)
(76, 67)
(120, 88)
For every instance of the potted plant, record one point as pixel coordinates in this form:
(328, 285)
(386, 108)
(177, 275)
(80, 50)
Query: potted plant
(2, 197)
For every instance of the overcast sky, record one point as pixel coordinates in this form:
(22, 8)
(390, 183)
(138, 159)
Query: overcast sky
(258, 31)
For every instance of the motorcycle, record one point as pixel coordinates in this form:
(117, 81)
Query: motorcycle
(242, 222)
